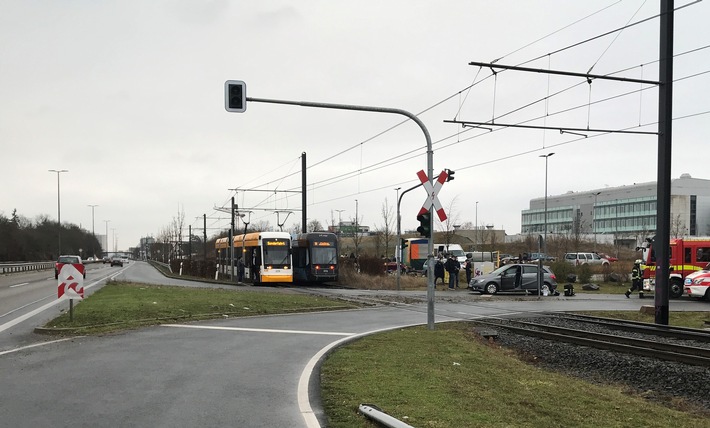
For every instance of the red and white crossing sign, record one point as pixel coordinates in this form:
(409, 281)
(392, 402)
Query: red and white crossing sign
(71, 281)
(433, 192)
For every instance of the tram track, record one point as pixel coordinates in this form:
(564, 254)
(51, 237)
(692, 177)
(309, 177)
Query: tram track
(617, 343)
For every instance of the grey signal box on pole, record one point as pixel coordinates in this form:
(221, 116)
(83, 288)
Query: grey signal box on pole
(235, 96)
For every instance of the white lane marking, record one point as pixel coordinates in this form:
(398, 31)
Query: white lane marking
(304, 403)
(19, 285)
(38, 344)
(258, 330)
(24, 306)
(30, 314)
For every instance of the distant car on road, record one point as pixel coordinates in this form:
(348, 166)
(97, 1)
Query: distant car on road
(585, 259)
(541, 256)
(608, 257)
(515, 277)
(116, 261)
(63, 260)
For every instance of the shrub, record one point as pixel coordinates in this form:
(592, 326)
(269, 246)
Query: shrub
(584, 273)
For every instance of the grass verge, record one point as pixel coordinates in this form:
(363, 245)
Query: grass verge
(451, 378)
(122, 305)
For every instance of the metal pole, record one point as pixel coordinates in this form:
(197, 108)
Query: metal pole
(357, 227)
(304, 229)
(107, 246)
(544, 242)
(594, 223)
(231, 243)
(93, 232)
(476, 228)
(398, 245)
(430, 173)
(59, 212)
(665, 128)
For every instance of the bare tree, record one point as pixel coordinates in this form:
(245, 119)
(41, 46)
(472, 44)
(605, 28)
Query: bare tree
(357, 236)
(260, 226)
(175, 231)
(678, 228)
(452, 218)
(314, 226)
(387, 229)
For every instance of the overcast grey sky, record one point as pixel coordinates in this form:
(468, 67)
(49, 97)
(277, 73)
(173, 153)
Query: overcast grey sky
(129, 97)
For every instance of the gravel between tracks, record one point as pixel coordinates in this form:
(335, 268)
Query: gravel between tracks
(678, 385)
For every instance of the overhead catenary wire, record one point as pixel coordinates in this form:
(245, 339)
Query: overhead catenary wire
(363, 169)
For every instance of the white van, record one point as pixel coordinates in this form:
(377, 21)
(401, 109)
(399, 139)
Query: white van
(455, 249)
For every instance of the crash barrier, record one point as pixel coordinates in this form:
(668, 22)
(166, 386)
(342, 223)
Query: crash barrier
(373, 412)
(24, 267)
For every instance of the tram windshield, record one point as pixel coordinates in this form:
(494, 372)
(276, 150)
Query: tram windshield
(276, 252)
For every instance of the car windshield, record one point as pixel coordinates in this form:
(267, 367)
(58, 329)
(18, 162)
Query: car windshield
(68, 259)
(500, 270)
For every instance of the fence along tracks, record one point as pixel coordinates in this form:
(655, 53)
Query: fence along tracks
(666, 349)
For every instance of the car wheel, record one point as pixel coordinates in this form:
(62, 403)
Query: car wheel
(707, 294)
(491, 288)
(545, 287)
(676, 289)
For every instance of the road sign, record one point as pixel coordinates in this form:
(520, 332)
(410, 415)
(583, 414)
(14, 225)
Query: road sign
(70, 282)
(433, 193)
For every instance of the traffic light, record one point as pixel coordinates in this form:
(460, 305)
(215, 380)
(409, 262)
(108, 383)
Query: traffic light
(424, 228)
(402, 244)
(235, 96)
(450, 174)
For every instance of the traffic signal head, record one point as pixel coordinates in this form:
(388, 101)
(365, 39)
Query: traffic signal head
(235, 96)
(424, 228)
(403, 244)
(450, 174)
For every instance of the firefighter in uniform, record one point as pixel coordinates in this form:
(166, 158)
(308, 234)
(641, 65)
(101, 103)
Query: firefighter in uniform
(636, 280)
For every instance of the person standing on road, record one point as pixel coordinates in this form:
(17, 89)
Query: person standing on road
(439, 272)
(636, 280)
(467, 269)
(450, 267)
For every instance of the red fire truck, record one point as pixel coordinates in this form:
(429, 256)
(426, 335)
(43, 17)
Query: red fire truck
(687, 255)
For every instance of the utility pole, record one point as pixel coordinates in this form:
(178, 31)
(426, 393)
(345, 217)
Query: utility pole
(59, 212)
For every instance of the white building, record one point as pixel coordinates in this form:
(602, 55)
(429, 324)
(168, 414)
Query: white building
(625, 212)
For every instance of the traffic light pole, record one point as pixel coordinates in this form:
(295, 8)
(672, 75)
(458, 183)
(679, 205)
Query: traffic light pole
(398, 257)
(430, 172)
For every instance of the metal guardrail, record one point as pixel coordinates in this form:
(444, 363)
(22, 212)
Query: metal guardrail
(24, 267)
(383, 419)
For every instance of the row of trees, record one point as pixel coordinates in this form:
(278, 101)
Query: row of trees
(22, 239)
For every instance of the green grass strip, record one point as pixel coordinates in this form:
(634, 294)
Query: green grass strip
(120, 305)
(449, 378)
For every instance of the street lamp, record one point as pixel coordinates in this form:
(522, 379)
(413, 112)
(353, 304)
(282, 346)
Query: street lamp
(59, 212)
(107, 247)
(476, 228)
(544, 248)
(357, 229)
(340, 221)
(93, 232)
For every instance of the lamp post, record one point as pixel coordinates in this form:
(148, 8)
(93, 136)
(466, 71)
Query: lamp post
(93, 232)
(340, 221)
(594, 223)
(59, 212)
(107, 247)
(476, 228)
(357, 229)
(544, 247)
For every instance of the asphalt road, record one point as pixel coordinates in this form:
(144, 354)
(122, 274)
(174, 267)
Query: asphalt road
(239, 372)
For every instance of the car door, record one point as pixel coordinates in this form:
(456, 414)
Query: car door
(530, 277)
(507, 278)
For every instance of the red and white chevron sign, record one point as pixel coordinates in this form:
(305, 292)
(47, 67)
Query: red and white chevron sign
(433, 192)
(71, 281)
